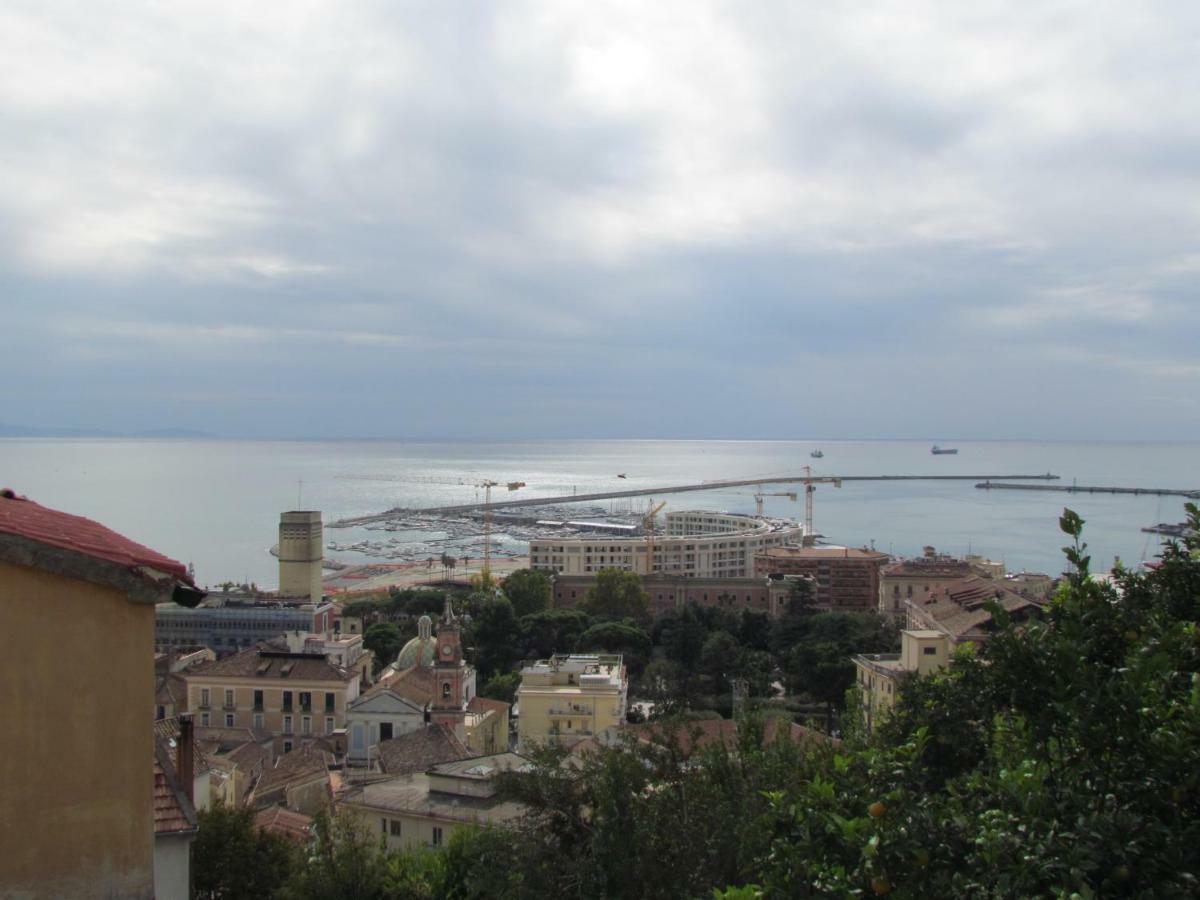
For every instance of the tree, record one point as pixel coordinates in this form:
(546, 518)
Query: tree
(617, 594)
(348, 862)
(619, 637)
(384, 640)
(232, 859)
(552, 631)
(719, 660)
(502, 687)
(496, 631)
(528, 590)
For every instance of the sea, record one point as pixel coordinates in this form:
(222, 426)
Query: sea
(216, 503)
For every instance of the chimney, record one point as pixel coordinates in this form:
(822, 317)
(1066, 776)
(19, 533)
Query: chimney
(185, 764)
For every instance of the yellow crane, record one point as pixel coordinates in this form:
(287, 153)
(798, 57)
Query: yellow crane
(648, 524)
(758, 499)
(487, 484)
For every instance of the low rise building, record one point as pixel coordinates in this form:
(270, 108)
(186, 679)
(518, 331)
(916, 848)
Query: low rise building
(228, 623)
(568, 697)
(697, 543)
(959, 609)
(878, 674)
(291, 695)
(908, 577)
(423, 809)
(844, 579)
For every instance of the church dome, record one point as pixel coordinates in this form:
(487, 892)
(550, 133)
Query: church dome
(420, 650)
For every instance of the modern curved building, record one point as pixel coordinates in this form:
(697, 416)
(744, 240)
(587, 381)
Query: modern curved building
(697, 543)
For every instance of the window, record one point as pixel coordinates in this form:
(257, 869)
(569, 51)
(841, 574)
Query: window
(330, 698)
(446, 690)
(204, 697)
(329, 724)
(258, 699)
(228, 698)
(160, 712)
(287, 746)
(306, 725)
(258, 720)
(287, 724)
(305, 700)
(395, 828)
(287, 701)
(929, 651)
(203, 720)
(437, 836)
(383, 825)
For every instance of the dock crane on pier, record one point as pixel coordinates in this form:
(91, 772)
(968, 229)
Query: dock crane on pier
(648, 524)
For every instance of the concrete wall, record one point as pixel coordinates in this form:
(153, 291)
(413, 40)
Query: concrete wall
(172, 868)
(77, 759)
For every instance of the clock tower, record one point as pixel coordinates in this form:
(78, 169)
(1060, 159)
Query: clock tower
(453, 679)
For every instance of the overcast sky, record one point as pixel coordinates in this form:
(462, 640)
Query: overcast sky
(649, 219)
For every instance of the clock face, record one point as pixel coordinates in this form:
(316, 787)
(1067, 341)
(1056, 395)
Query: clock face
(447, 649)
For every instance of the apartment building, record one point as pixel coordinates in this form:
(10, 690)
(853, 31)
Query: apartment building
(878, 674)
(230, 622)
(290, 695)
(697, 543)
(568, 697)
(844, 579)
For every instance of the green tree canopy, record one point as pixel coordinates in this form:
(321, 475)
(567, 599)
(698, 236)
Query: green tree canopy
(384, 639)
(528, 590)
(617, 594)
(619, 637)
(234, 860)
(552, 631)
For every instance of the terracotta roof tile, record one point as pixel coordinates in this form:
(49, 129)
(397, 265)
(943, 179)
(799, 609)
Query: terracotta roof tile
(691, 736)
(173, 812)
(282, 820)
(274, 666)
(419, 750)
(24, 518)
(486, 704)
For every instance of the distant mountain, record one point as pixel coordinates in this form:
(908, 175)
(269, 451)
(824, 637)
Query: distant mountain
(27, 431)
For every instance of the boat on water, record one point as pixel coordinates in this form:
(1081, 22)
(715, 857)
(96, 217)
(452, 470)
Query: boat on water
(943, 451)
(817, 454)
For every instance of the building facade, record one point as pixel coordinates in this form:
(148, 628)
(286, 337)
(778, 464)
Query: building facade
(228, 623)
(697, 544)
(844, 579)
(423, 809)
(291, 695)
(902, 580)
(77, 796)
(568, 697)
(878, 674)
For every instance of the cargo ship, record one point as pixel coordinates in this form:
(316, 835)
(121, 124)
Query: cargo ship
(942, 451)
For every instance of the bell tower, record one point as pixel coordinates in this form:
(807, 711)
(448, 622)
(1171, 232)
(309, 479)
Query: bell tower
(453, 679)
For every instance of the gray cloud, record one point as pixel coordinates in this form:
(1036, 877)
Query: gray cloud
(569, 219)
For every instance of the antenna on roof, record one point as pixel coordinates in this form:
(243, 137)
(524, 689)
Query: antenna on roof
(299, 493)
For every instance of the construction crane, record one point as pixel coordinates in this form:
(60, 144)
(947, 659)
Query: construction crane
(487, 484)
(810, 487)
(758, 499)
(648, 524)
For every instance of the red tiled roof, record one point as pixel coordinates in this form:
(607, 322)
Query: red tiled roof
(416, 751)
(282, 820)
(173, 811)
(24, 518)
(486, 704)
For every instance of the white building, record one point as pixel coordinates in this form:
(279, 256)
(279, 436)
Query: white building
(697, 543)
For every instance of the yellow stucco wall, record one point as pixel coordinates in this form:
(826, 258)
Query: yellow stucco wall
(76, 752)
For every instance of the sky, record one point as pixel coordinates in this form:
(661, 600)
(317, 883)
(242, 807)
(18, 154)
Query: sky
(582, 219)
